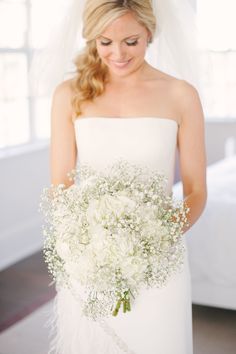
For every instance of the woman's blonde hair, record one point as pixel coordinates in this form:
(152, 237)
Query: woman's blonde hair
(91, 72)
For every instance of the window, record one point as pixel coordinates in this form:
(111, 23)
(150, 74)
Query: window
(218, 42)
(23, 119)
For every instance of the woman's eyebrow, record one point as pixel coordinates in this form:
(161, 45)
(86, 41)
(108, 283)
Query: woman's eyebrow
(134, 35)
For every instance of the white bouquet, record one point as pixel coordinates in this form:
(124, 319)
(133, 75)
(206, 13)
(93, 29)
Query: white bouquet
(114, 232)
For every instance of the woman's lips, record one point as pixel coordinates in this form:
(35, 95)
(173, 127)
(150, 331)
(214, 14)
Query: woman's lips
(120, 64)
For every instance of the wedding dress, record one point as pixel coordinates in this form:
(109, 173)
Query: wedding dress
(160, 320)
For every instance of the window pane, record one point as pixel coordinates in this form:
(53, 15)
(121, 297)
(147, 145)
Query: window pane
(219, 84)
(14, 122)
(13, 22)
(217, 24)
(13, 73)
(50, 13)
(217, 27)
(42, 118)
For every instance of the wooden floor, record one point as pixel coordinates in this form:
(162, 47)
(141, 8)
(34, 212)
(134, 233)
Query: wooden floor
(214, 330)
(25, 301)
(23, 288)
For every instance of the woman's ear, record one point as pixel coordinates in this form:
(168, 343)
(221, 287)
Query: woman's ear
(149, 39)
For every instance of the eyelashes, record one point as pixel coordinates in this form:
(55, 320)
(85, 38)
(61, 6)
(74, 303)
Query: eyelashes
(128, 43)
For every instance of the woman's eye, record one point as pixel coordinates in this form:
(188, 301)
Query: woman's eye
(105, 43)
(132, 43)
(128, 43)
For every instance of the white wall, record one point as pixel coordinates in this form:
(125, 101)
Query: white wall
(22, 179)
(220, 139)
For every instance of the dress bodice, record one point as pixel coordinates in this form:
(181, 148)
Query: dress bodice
(147, 141)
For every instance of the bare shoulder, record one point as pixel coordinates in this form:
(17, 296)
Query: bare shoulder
(182, 96)
(64, 89)
(178, 87)
(188, 100)
(62, 98)
(184, 89)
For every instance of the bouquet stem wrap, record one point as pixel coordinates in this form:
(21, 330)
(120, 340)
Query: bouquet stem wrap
(113, 232)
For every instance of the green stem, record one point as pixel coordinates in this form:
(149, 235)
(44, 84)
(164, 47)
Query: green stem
(115, 312)
(126, 303)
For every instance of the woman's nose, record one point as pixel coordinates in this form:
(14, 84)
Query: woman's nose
(118, 51)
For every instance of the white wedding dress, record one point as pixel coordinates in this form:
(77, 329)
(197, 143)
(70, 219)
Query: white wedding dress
(160, 320)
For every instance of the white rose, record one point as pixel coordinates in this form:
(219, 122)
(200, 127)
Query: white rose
(99, 250)
(123, 193)
(96, 231)
(122, 203)
(133, 268)
(80, 269)
(153, 228)
(125, 245)
(108, 204)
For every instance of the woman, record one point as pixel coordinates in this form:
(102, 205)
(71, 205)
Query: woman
(119, 105)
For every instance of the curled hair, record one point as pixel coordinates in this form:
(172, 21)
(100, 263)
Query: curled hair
(91, 72)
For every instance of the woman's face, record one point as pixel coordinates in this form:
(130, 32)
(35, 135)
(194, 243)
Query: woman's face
(122, 45)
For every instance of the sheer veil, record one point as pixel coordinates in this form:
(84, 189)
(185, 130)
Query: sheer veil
(173, 50)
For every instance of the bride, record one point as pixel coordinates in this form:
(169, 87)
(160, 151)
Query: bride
(117, 104)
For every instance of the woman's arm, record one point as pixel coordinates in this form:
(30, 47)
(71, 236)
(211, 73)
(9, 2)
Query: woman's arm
(63, 145)
(192, 152)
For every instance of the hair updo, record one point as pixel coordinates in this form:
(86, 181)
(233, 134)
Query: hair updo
(91, 72)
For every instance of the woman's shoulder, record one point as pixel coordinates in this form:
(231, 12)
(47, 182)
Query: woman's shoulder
(63, 94)
(187, 100)
(185, 93)
(65, 88)
(173, 85)
(180, 93)
(183, 88)
(180, 85)
(180, 90)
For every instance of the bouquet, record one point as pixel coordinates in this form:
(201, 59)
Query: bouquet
(114, 231)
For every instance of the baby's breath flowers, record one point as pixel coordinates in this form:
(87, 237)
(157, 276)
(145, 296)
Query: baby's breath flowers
(113, 231)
